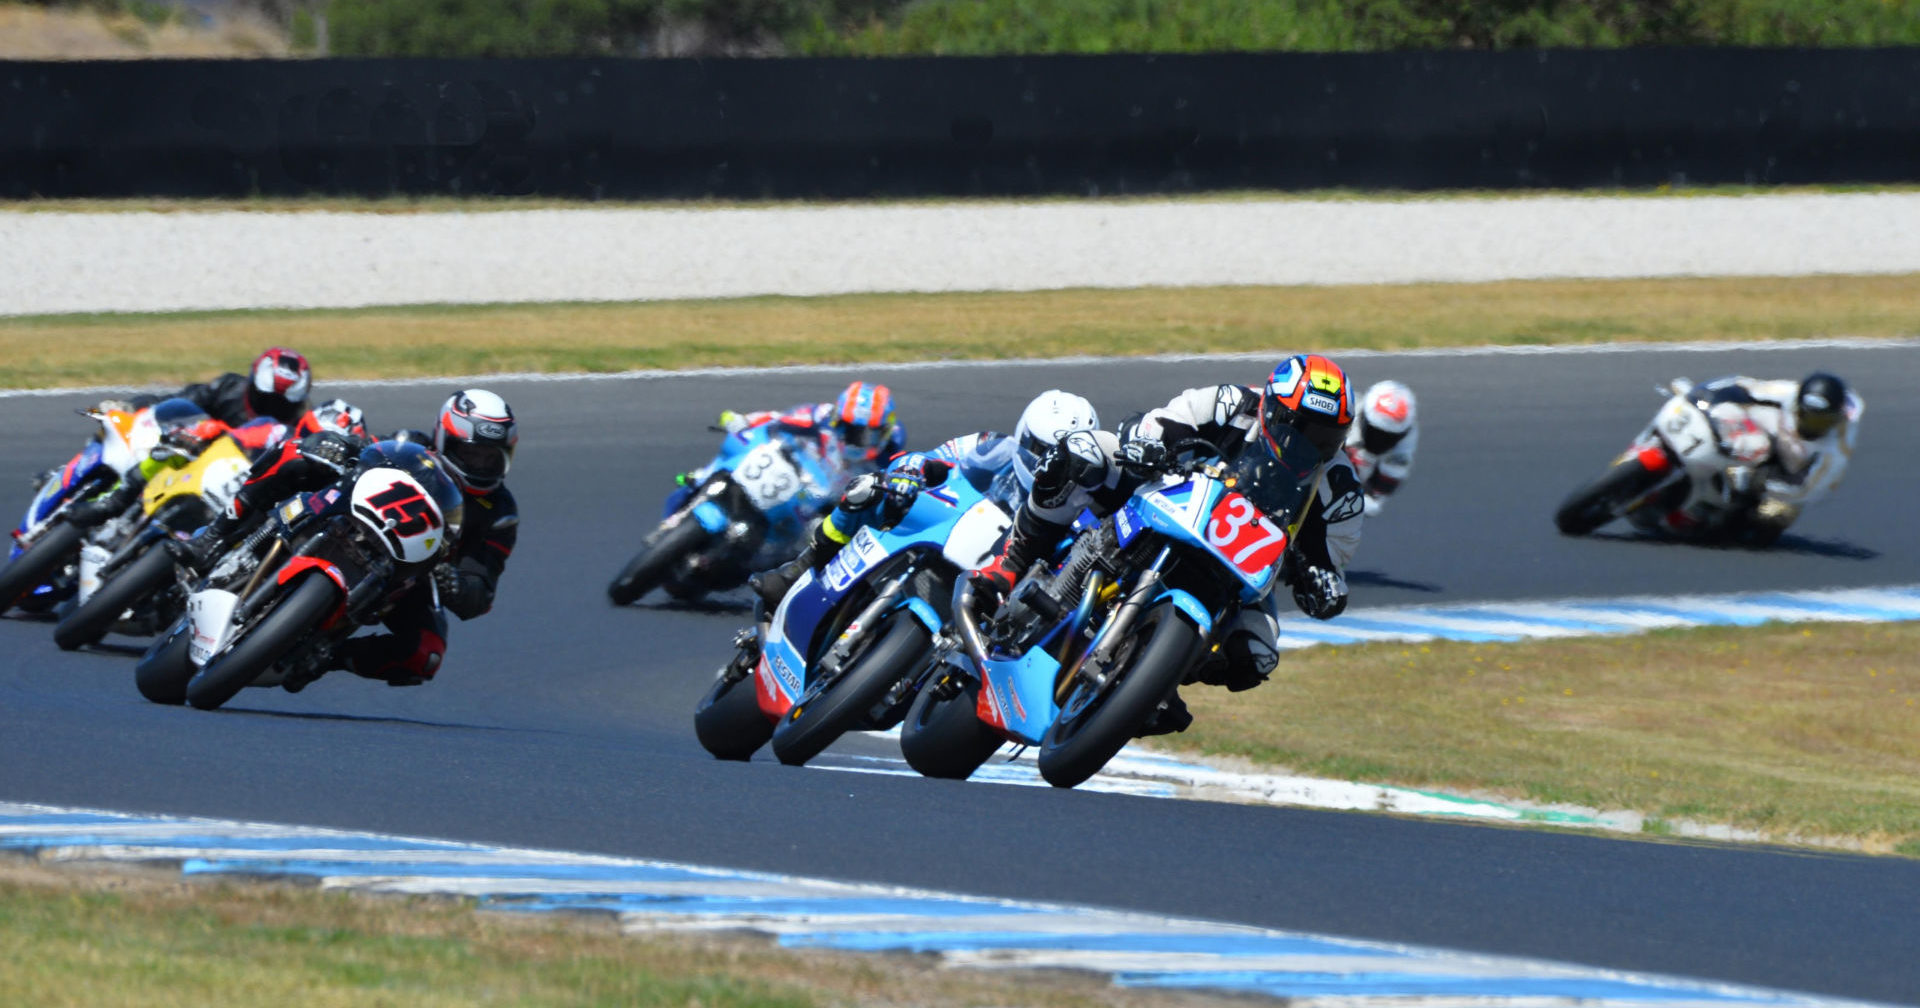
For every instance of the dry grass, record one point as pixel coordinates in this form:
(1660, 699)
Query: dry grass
(56, 33)
(1799, 731)
(94, 935)
(441, 340)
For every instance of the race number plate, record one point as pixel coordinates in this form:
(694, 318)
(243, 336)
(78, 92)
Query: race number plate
(1244, 537)
(767, 477)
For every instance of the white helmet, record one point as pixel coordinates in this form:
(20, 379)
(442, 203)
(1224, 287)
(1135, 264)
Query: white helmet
(1386, 415)
(474, 437)
(1051, 415)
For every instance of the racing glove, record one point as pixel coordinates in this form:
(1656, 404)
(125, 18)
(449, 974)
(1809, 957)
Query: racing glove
(904, 481)
(329, 449)
(451, 587)
(1143, 454)
(1319, 593)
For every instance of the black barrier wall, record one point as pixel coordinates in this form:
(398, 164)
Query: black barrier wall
(942, 127)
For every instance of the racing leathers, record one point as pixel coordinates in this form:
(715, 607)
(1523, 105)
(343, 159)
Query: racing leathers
(225, 399)
(465, 582)
(1383, 464)
(1097, 471)
(1787, 472)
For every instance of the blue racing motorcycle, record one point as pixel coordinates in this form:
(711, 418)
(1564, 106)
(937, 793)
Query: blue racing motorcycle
(41, 568)
(1080, 656)
(847, 646)
(744, 511)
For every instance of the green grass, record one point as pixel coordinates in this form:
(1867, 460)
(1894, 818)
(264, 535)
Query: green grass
(1801, 732)
(68, 350)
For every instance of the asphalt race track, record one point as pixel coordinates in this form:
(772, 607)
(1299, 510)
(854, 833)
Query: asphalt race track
(560, 722)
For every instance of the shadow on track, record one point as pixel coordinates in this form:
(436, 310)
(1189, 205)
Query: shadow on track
(378, 719)
(1375, 579)
(1837, 549)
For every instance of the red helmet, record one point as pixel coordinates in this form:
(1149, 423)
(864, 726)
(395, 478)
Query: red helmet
(1306, 395)
(278, 385)
(474, 437)
(864, 421)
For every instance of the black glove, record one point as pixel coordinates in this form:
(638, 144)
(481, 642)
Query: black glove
(1319, 593)
(328, 448)
(448, 582)
(1143, 454)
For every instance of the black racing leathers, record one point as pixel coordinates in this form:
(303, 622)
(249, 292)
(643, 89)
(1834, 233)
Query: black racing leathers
(466, 582)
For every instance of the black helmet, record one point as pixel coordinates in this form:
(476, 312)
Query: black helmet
(1819, 406)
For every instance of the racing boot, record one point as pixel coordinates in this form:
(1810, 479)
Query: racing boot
(1171, 716)
(198, 553)
(773, 585)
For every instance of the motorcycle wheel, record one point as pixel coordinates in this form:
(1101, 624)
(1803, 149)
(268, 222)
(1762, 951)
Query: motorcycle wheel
(729, 722)
(292, 617)
(944, 738)
(1598, 502)
(164, 670)
(1096, 722)
(39, 563)
(89, 622)
(650, 567)
(818, 719)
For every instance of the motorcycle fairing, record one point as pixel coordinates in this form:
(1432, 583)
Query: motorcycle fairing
(210, 615)
(711, 516)
(1017, 695)
(1203, 512)
(399, 512)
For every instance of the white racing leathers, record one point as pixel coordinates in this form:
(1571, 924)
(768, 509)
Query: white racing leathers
(1381, 474)
(1797, 471)
(1228, 417)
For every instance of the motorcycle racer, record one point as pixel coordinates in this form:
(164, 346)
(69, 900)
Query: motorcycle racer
(1382, 440)
(1306, 393)
(859, 432)
(474, 437)
(276, 386)
(1801, 436)
(998, 465)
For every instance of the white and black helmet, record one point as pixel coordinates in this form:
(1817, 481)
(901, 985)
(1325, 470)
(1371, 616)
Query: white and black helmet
(1051, 415)
(1386, 415)
(475, 436)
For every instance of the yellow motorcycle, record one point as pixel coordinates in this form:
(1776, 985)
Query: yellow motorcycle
(126, 574)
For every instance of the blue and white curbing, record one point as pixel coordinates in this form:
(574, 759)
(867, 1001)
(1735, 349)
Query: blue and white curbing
(1512, 621)
(1136, 950)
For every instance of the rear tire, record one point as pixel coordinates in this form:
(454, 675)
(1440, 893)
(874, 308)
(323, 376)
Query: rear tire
(650, 567)
(1599, 502)
(135, 583)
(945, 738)
(729, 722)
(164, 670)
(294, 615)
(817, 720)
(39, 563)
(1091, 728)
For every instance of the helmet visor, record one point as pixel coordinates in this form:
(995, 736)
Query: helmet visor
(481, 464)
(1281, 424)
(1377, 441)
(1816, 423)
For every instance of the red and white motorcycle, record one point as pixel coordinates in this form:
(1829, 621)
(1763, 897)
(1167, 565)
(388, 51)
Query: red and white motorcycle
(1675, 475)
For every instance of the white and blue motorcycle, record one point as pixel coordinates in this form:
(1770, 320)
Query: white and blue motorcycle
(848, 645)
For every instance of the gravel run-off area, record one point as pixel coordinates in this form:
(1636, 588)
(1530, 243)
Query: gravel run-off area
(56, 262)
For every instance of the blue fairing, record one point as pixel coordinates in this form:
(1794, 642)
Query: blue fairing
(815, 599)
(55, 491)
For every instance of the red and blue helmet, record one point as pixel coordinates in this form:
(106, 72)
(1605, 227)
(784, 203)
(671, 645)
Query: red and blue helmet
(864, 421)
(1307, 394)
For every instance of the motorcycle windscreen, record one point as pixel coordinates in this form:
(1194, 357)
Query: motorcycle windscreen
(1279, 483)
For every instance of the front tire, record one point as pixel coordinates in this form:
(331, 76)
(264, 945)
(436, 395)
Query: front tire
(817, 720)
(650, 567)
(945, 738)
(39, 563)
(1094, 724)
(164, 670)
(136, 582)
(729, 722)
(294, 615)
(1599, 502)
